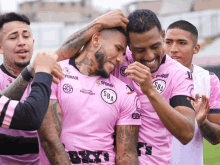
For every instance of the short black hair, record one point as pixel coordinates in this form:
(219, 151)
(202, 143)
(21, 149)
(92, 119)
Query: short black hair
(118, 28)
(12, 16)
(143, 20)
(184, 25)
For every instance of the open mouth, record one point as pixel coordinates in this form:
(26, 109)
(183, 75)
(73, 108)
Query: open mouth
(22, 51)
(175, 58)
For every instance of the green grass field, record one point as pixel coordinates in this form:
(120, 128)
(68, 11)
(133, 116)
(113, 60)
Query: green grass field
(211, 153)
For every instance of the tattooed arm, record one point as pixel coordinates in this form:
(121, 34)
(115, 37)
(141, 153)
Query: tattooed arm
(49, 134)
(74, 43)
(126, 145)
(15, 90)
(210, 129)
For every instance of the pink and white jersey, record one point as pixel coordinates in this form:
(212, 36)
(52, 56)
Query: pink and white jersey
(91, 107)
(205, 84)
(171, 79)
(24, 137)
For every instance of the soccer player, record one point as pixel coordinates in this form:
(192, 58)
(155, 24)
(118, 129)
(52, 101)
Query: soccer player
(90, 104)
(181, 44)
(16, 45)
(28, 115)
(164, 87)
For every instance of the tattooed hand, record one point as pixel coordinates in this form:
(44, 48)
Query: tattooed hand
(112, 19)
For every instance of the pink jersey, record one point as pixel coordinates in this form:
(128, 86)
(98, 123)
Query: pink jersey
(26, 159)
(205, 84)
(171, 79)
(91, 107)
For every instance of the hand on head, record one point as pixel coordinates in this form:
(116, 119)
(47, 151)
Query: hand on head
(112, 19)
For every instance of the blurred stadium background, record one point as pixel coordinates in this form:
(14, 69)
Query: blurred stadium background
(52, 21)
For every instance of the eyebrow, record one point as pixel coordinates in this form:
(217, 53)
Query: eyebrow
(24, 31)
(177, 40)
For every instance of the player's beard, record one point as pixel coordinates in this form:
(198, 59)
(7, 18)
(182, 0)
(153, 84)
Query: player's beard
(21, 64)
(101, 56)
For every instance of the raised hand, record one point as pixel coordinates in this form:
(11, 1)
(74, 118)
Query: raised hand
(201, 108)
(112, 19)
(142, 75)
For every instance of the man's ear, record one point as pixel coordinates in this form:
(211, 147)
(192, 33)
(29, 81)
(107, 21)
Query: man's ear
(96, 39)
(196, 49)
(1, 50)
(163, 35)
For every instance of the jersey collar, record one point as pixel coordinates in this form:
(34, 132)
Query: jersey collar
(2, 67)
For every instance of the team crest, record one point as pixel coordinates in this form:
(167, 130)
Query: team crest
(66, 70)
(159, 85)
(67, 88)
(122, 71)
(109, 96)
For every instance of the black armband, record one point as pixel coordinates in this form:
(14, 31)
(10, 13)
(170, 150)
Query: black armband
(182, 101)
(26, 74)
(216, 110)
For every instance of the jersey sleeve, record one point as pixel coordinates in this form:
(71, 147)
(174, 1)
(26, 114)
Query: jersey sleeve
(182, 84)
(214, 99)
(30, 114)
(130, 109)
(54, 87)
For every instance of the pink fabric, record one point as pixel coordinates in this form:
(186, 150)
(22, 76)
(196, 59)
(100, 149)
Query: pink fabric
(91, 107)
(214, 99)
(9, 113)
(171, 79)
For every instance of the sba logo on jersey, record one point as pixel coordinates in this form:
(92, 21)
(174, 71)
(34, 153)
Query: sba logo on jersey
(109, 96)
(159, 85)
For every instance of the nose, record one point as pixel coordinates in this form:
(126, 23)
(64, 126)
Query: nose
(174, 48)
(149, 55)
(120, 58)
(21, 41)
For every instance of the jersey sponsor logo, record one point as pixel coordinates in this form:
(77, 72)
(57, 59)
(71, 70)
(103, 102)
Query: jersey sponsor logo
(131, 90)
(122, 71)
(109, 96)
(148, 149)
(87, 91)
(104, 83)
(190, 89)
(78, 157)
(159, 85)
(67, 88)
(189, 74)
(72, 77)
(136, 115)
(128, 60)
(161, 76)
(66, 70)
(10, 81)
(153, 77)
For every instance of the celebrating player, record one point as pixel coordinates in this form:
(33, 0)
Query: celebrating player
(90, 104)
(181, 44)
(16, 45)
